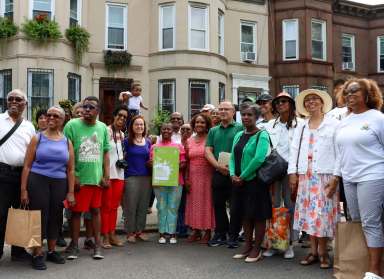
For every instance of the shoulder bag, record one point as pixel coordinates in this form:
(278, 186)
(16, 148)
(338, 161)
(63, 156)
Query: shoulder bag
(10, 132)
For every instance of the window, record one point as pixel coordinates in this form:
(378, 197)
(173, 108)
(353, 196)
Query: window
(318, 33)
(75, 12)
(348, 52)
(248, 41)
(5, 88)
(221, 92)
(320, 87)
(198, 95)
(6, 9)
(167, 27)
(292, 90)
(167, 100)
(74, 87)
(198, 27)
(40, 89)
(42, 7)
(221, 33)
(290, 39)
(116, 31)
(249, 94)
(380, 54)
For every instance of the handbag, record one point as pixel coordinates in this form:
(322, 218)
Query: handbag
(294, 194)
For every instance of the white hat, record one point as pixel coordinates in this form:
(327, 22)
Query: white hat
(207, 107)
(327, 100)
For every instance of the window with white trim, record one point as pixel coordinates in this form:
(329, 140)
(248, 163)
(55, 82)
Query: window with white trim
(380, 54)
(319, 40)
(40, 89)
(42, 8)
(221, 92)
(292, 90)
(5, 87)
(248, 41)
(167, 27)
(199, 96)
(198, 27)
(74, 87)
(75, 12)
(290, 39)
(348, 52)
(220, 33)
(116, 27)
(167, 95)
(6, 9)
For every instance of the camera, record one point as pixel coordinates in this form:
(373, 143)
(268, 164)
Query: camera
(122, 164)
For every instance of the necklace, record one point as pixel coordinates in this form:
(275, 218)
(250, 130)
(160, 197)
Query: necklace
(139, 141)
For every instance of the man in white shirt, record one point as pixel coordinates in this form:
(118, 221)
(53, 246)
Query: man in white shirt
(12, 153)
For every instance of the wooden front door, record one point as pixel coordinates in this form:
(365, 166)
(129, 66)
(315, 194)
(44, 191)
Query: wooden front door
(109, 90)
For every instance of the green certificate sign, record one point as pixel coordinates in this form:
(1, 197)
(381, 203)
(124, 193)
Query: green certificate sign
(165, 166)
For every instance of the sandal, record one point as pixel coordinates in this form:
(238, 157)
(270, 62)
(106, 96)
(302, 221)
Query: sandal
(310, 259)
(325, 262)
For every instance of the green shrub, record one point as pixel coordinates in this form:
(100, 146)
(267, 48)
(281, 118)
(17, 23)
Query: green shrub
(7, 28)
(41, 29)
(115, 60)
(160, 117)
(79, 38)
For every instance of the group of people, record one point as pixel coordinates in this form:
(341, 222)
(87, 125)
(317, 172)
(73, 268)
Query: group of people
(332, 154)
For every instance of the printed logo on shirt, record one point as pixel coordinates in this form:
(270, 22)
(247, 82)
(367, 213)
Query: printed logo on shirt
(89, 150)
(365, 127)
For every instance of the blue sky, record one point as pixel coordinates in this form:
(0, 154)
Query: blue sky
(369, 2)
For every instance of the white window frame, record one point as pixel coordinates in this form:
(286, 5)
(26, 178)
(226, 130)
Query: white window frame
(286, 87)
(352, 38)
(284, 24)
(30, 12)
(220, 32)
(161, 26)
(125, 25)
(161, 83)
(378, 54)
(2, 7)
(50, 88)
(323, 35)
(79, 11)
(254, 26)
(206, 8)
(77, 79)
(207, 97)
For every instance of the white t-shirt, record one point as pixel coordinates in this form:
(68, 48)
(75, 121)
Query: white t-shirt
(115, 172)
(134, 102)
(338, 113)
(360, 147)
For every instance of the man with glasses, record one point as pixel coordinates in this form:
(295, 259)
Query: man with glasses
(12, 154)
(177, 121)
(265, 103)
(91, 145)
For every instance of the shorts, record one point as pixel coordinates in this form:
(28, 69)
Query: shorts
(86, 198)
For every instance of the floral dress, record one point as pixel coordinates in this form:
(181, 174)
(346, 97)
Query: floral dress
(315, 213)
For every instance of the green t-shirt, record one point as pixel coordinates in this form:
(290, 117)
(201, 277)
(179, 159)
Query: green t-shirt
(221, 138)
(90, 142)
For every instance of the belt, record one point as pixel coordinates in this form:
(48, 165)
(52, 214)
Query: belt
(7, 168)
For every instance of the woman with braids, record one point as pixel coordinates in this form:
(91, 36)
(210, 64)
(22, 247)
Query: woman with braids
(281, 132)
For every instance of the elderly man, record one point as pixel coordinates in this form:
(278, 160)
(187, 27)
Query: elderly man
(15, 135)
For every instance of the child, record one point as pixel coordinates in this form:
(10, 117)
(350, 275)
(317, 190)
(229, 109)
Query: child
(168, 197)
(133, 100)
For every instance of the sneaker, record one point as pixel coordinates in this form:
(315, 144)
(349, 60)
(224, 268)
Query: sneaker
(232, 243)
(162, 240)
(74, 253)
(55, 257)
(60, 242)
(173, 240)
(370, 275)
(269, 252)
(289, 253)
(97, 255)
(89, 244)
(217, 240)
(38, 263)
(23, 256)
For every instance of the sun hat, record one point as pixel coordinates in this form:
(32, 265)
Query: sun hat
(327, 100)
(207, 107)
(264, 97)
(283, 95)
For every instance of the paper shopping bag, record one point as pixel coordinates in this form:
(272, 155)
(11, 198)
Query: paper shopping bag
(277, 232)
(23, 228)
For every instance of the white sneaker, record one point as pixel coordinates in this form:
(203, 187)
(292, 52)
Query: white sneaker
(289, 253)
(162, 240)
(173, 240)
(370, 275)
(269, 252)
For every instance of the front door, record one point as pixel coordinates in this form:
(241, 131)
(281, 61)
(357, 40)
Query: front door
(109, 90)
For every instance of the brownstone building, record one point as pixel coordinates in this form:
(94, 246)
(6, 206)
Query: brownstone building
(314, 42)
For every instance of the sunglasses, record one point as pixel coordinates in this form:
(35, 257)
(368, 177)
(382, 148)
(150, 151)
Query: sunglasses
(261, 103)
(54, 115)
(281, 102)
(351, 90)
(307, 100)
(15, 99)
(89, 106)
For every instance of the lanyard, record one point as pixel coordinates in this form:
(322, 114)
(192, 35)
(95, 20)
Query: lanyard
(115, 140)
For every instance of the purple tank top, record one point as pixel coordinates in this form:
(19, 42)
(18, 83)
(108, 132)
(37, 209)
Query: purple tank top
(51, 157)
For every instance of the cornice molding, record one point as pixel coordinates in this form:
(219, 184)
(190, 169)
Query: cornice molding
(345, 7)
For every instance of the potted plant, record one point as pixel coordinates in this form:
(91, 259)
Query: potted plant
(160, 117)
(41, 29)
(7, 28)
(115, 60)
(79, 38)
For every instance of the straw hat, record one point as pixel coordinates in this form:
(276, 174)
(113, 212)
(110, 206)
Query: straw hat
(283, 95)
(327, 100)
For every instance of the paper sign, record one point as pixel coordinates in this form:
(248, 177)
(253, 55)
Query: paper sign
(165, 166)
(224, 158)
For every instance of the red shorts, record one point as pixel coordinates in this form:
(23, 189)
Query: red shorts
(86, 198)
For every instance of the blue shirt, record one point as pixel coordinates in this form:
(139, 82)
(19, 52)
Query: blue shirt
(137, 156)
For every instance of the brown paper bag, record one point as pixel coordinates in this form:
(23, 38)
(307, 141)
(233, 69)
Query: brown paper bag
(351, 251)
(23, 228)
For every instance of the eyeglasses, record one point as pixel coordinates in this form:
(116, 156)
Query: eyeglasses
(54, 115)
(122, 115)
(351, 90)
(175, 118)
(281, 102)
(15, 99)
(311, 99)
(185, 129)
(89, 106)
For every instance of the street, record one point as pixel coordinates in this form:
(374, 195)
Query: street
(147, 260)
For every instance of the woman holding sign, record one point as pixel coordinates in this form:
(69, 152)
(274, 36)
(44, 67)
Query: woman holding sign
(167, 159)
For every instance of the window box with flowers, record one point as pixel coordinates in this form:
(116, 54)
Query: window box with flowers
(41, 29)
(115, 60)
(79, 38)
